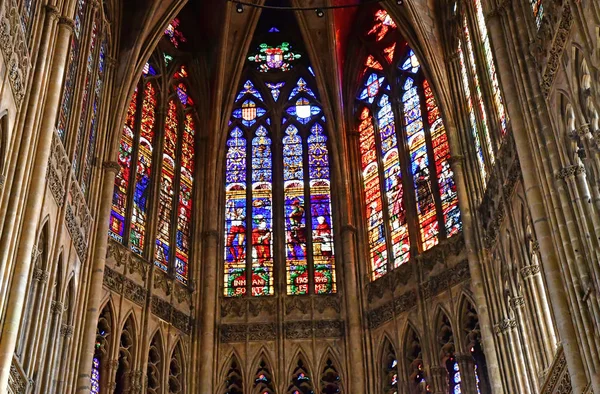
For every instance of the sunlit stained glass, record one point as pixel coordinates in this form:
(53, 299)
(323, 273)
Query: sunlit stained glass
(166, 190)
(123, 178)
(95, 376)
(441, 155)
(262, 213)
(173, 33)
(491, 66)
(93, 122)
(141, 193)
(71, 74)
(402, 160)
(419, 162)
(456, 379)
(183, 95)
(472, 118)
(320, 211)
(296, 127)
(235, 214)
(383, 23)
(278, 58)
(538, 11)
(479, 95)
(184, 204)
(372, 63)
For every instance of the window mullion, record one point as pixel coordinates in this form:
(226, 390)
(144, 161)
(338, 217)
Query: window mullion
(410, 201)
(305, 133)
(250, 172)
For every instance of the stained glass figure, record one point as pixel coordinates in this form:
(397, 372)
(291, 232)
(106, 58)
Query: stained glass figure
(278, 58)
(173, 33)
(141, 193)
(148, 69)
(167, 189)
(491, 67)
(296, 126)
(386, 143)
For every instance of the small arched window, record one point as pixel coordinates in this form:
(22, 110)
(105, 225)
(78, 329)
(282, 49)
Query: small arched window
(277, 176)
(410, 196)
(151, 154)
(538, 11)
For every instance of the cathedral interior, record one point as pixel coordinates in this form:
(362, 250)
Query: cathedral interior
(300, 197)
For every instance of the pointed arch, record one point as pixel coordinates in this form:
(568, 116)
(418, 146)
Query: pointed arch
(127, 353)
(156, 359)
(278, 136)
(177, 373)
(234, 380)
(389, 367)
(410, 199)
(414, 359)
(445, 345)
(301, 378)
(102, 348)
(330, 378)
(263, 380)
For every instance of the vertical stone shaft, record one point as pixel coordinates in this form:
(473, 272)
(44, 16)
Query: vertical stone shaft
(208, 312)
(33, 206)
(539, 216)
(95, 277)
(352, 299)
(15, 183)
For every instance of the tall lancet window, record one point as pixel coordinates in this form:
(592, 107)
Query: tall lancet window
(488, 118)
(278, 210)
(409, 192)
(157, 147)
(538, 11)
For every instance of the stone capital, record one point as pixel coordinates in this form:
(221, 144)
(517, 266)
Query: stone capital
(40, 275)
(517, 302)
(530, 270)
(111, 166)
(66, 331)
(57, 307)
(505, 325)
(67, 22)
(52, 11)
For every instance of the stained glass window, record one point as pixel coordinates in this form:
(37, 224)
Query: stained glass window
(71, 74)
(264, 127)
(167, 157)
(491, 67)
(29, 8)
(95, 376)
(454, 377)
(404, 153)
(173, 33)
(538, 11)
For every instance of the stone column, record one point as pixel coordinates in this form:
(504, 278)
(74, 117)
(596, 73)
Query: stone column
(66, 332)
(353, 315)
(53, 344)
(439, 380)
(208, 314)
(464, 199)
(96, 276)
(466, 364)
(537, 209)
(33, 206)
(16, 172)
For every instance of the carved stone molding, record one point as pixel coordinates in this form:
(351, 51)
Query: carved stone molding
(299, 303)
(233, 307)
(112, 280)
(17, 381)
(66, 331)
(530, 270)
(569, 172)
(79, 220)
(505, 325)
(517, 302)
(182, 294)
(558, 46)
(323, 302)
(67, 22)
(13, 44)
(161, 308)
(386, 312)
(558, 380)
(257, 306)
(57, 307)
(40, 275)
(58, 170)
(163, 282)
(111, 166)
(134, 292)
(447, 279)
